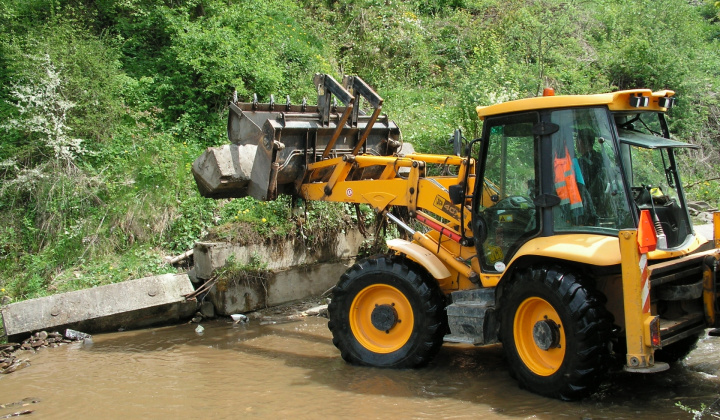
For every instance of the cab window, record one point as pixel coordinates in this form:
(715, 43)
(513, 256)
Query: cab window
(510, 185)
(586, 173)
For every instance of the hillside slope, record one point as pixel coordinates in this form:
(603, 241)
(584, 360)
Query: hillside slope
(104, 105)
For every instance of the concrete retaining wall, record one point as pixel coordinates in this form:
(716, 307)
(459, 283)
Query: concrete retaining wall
(209, 256)
(279, 287)
(296, 271)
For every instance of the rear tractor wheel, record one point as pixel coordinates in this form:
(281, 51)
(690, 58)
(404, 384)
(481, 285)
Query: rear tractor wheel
(386, 313)
(555, 332)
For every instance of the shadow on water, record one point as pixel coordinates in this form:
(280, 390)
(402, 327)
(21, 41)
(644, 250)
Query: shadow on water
(464, 374)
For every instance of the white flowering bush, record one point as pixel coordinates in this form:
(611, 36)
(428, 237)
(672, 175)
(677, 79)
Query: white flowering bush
(43, 112)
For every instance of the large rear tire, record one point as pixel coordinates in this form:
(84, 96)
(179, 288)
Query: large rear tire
(386, 312)
(555, 332)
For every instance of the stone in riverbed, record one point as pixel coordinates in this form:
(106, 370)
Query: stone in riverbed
(9, 346)
(19, 364)
(320, 310)
(76, 335)
(207, 309)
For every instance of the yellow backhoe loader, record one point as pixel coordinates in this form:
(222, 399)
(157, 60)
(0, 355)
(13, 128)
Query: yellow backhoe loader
(562, 232)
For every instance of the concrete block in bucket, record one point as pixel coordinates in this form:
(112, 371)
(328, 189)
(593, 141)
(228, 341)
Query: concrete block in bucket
(225, 171)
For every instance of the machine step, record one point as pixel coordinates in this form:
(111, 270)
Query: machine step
(472, 317)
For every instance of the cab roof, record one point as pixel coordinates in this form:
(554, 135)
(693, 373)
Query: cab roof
(637, 100)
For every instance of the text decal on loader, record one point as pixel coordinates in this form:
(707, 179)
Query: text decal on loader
(447, 207)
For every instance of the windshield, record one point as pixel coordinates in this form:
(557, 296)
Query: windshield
(655, 186)
(587, 174)
(642, 122)
(649, 160)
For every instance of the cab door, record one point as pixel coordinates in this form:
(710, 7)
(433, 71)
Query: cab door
(505, 213)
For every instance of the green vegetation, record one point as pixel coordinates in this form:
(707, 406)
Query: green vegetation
(253, 274)
(703, 412)
(104, 105)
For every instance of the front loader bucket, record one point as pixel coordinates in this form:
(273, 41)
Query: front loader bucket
(271, 145)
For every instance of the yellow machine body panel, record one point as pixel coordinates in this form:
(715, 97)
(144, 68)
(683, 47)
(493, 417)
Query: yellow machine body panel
(615, 101)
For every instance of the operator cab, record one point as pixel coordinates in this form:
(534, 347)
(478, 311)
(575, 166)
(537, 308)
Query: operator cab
(576, 165)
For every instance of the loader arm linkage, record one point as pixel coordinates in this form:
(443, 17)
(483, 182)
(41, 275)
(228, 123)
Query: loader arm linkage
(334, 153)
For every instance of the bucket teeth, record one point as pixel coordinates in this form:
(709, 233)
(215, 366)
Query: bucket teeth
(271, 105)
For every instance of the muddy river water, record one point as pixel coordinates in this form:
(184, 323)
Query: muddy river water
(292, 370)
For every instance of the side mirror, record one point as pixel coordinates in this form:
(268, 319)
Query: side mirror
(479, 228)
(456, 140)
(457, 193)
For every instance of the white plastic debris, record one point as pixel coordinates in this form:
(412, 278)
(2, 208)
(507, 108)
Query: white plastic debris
(199, 330)
(239, 318)
(315, 311)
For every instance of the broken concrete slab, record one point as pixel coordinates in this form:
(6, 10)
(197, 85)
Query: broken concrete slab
(294, 271)
(131, 304)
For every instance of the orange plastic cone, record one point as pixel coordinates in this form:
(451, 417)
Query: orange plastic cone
(647, 238)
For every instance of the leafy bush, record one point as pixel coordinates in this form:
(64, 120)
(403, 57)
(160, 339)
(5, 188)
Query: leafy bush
(42, 113)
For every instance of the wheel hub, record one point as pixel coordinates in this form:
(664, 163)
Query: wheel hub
(384, 317)
(546, 334)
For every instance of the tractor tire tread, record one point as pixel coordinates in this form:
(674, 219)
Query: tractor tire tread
(425, 295)
(583, 369)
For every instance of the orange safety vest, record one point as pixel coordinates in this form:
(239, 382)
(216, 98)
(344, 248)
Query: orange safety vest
(565, 182)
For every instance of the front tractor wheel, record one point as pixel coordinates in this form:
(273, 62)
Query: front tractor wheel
(386, 312)
(555, 332)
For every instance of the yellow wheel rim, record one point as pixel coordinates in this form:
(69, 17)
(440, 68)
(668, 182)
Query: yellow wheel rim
(379, 297)
(543, 362)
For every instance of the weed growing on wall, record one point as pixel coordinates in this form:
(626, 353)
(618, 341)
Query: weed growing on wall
(246, 220)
